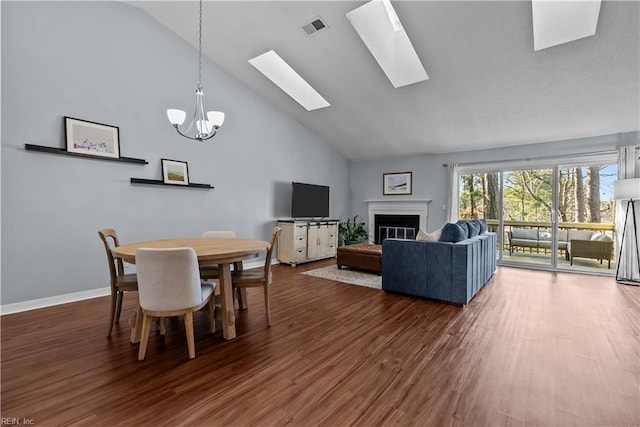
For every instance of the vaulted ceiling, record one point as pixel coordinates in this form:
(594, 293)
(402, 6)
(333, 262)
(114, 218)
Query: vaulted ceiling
(487, 86)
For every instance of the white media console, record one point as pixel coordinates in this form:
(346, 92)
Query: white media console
(307, 240)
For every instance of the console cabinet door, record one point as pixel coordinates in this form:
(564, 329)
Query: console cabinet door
(312, 242)
(323, 238)
(317, 239)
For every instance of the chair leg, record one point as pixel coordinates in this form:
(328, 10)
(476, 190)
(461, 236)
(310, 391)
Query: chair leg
(119, 299)
(144, 339)
(112, 314)
(188, 325)
(162, 325)
(212, 313)
(242, 299)
(267, 308)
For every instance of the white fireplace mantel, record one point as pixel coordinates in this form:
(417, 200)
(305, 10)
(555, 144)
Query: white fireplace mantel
(418, 207)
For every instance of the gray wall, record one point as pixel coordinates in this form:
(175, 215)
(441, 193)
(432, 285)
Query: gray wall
(430, 177)
(111, 63)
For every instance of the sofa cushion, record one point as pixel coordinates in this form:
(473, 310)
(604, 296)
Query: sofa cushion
(563, 235)
(483, 226)
(452, 233)
(527, 243)
(580, 235)
(464, 226)
(524, 233)
(474, 227)
(544, 235)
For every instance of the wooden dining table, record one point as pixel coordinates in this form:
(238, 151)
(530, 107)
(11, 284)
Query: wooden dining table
(223, 252)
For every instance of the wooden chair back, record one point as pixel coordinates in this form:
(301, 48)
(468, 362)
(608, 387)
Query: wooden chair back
(275, 232)
(110, 240)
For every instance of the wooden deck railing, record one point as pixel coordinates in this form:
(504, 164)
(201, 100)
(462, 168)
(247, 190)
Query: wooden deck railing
(493, 223)
(606, 228)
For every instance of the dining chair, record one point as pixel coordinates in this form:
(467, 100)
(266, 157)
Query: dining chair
(210, 272)
(169, 285)
(120, 282)
(258, 278)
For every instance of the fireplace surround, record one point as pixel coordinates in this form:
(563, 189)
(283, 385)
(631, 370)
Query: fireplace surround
(419, 208)
(398, 226)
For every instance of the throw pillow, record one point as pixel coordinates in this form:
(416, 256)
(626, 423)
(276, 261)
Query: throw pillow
(483, 226)
(429, 237)
(474, 227)
(452, 233)
(436, 234)
(463, 224)
(425, 236)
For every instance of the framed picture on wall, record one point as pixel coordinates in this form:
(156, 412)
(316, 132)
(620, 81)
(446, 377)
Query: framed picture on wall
(175, 172)
(396, 183)
(91, 138)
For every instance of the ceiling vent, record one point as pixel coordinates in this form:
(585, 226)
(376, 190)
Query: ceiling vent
(314, 26)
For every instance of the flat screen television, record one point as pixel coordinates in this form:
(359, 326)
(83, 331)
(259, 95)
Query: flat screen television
(309, 200)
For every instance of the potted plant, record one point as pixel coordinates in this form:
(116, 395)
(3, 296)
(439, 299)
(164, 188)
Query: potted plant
(352, 231)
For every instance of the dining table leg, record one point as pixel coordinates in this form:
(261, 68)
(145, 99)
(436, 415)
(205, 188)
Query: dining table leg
(226, 295)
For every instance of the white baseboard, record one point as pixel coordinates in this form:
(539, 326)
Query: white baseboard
(77, 296)
(51, 301)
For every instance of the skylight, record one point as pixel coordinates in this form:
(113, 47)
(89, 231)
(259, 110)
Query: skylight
(286, 78)
(557, 22)
(382, 32)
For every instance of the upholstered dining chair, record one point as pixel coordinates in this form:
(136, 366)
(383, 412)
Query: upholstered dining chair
(169, 285)
(258, 278)
(210, 272)
(120, 282)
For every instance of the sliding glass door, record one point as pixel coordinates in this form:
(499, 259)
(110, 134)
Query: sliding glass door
(527, 216)
(586, 216)
(559, 216)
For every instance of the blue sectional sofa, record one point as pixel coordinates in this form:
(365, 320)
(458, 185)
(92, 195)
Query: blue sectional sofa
(446, 271)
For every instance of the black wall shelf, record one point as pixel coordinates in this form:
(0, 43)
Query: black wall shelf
(62, 151)
(159, 182)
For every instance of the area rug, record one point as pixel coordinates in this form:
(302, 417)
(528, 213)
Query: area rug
(346, 275)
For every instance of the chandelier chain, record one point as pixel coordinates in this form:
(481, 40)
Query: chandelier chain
(200, 50)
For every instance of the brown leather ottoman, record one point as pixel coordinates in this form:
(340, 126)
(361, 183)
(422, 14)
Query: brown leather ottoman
(364, 256)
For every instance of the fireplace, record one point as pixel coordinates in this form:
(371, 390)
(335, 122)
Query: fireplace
(395, 226)
(398, 208)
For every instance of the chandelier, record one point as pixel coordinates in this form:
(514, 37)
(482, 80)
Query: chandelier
(202, 127)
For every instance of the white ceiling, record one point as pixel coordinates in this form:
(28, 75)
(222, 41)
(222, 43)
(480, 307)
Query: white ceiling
(487, 86)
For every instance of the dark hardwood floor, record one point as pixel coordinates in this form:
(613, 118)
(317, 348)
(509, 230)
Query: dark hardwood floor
(532, 348)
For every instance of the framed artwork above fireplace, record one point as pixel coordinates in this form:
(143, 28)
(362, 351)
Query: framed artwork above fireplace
(396, 183)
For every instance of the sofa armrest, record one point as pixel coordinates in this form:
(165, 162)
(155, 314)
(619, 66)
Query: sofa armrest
(409, 266)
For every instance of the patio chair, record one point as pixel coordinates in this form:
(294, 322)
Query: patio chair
(593, 249)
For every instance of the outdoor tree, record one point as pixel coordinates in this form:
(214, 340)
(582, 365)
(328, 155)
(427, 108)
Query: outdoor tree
(580, 213)
(527, 195)
(593, 172)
